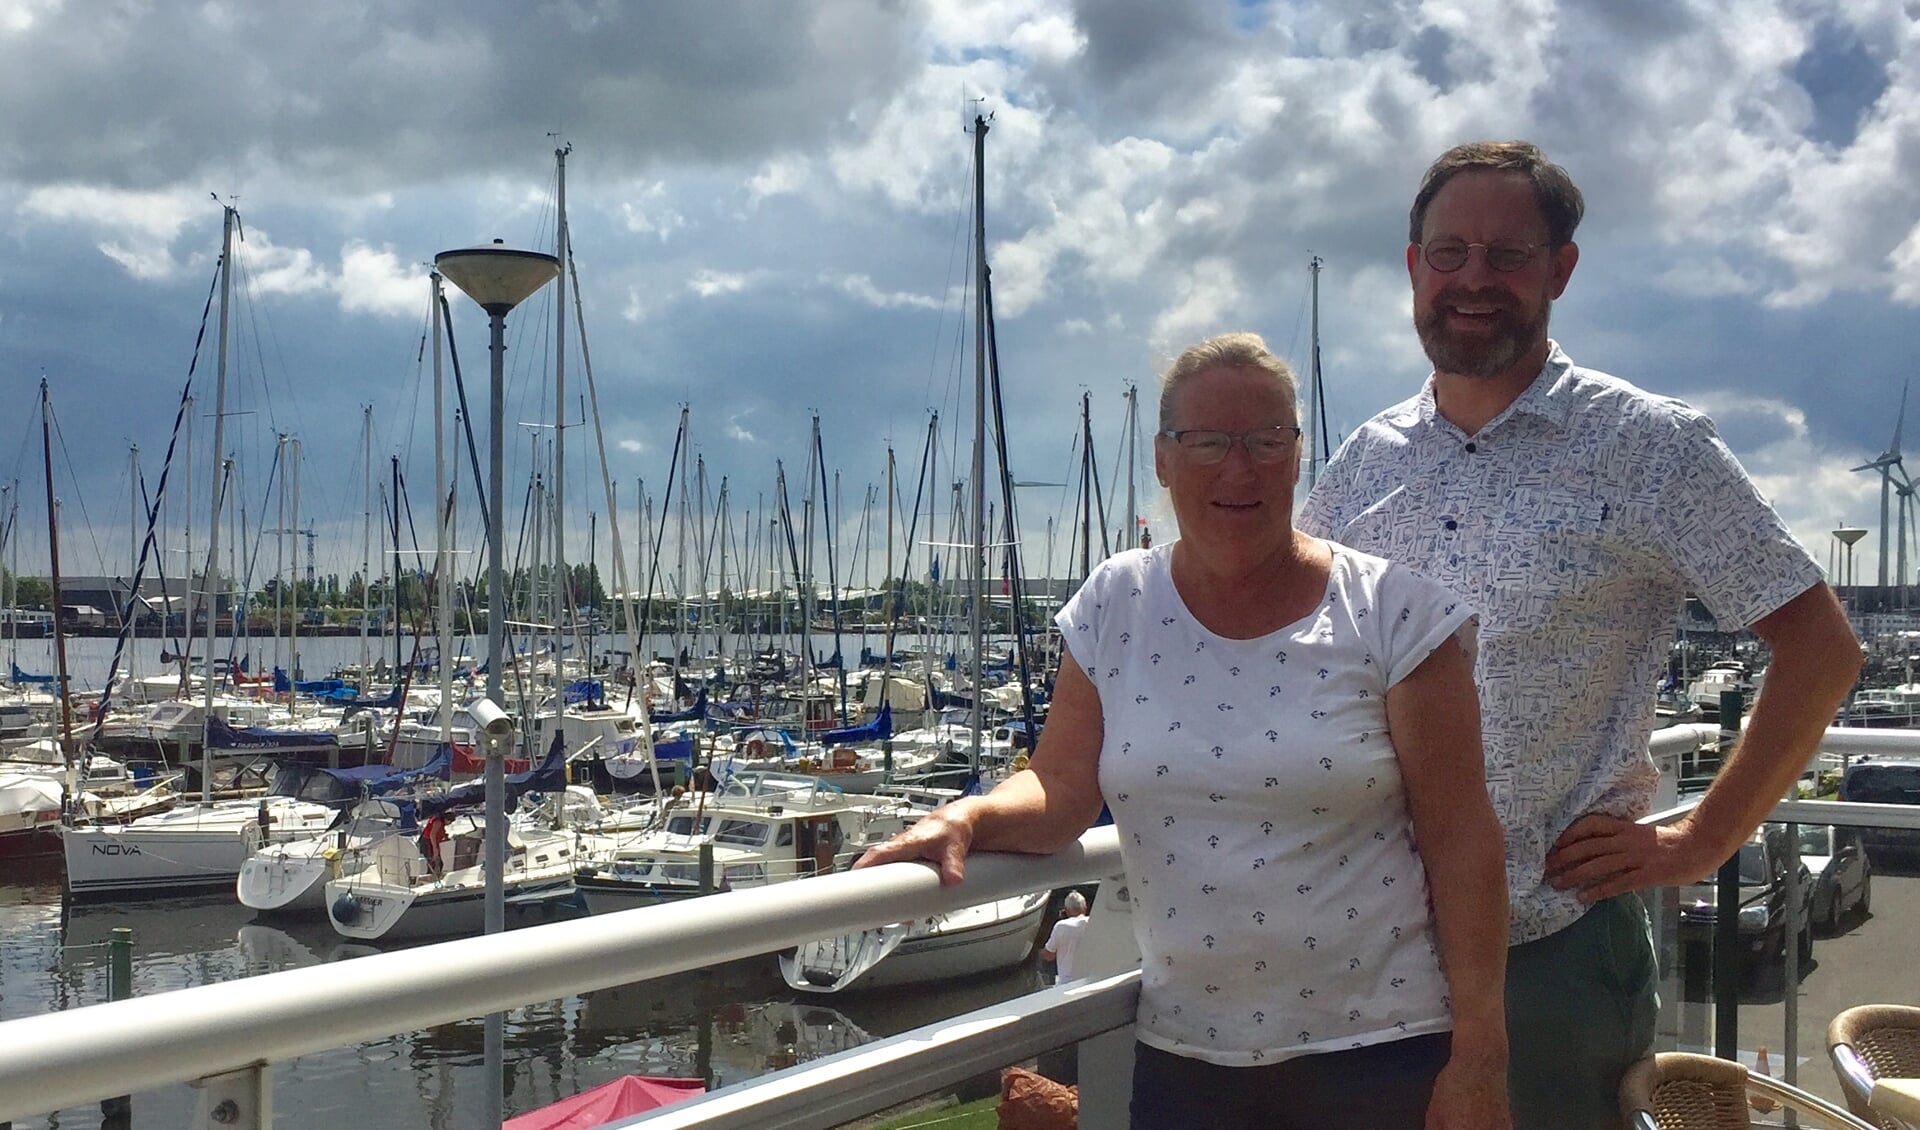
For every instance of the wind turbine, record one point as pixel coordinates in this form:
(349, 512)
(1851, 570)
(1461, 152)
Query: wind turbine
(1886, 464)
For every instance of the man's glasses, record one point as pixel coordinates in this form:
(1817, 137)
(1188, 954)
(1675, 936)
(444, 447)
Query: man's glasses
(1449, 255)
(1264, 445)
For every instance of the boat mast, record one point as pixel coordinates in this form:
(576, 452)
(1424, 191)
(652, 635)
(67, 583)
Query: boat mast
(280, 561)
(133, 523)
(230, 222)
(443, 517)
(1131, 536)
(976, 621)
(366, 545)
(53, 560)
(1315, 456)
(293, 528)
(562, 588)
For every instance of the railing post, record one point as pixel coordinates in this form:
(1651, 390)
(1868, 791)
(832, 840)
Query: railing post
(1726, 909)
(707, 886)
(118, 1110)
(236, 1100)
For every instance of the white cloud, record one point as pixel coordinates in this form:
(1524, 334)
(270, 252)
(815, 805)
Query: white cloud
(861, 288)
(777, 177)
(1206, 298)
(375, 281)
(632, 445)
(139, 227)
(735, 429)
(710, 283)
(647, 211)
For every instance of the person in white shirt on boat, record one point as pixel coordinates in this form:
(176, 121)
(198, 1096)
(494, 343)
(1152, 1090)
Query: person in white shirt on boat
(1274, 720)
(1064, 941)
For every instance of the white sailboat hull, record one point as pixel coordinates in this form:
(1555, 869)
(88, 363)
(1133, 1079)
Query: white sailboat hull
(194, 847)
(961, 943)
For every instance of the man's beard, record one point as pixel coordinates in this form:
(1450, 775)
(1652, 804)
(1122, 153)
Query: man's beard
(1479, 355)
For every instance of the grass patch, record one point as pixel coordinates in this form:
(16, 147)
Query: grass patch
(977, 1115)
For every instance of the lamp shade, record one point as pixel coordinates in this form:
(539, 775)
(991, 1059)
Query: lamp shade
(1850, 534)
(496, 276)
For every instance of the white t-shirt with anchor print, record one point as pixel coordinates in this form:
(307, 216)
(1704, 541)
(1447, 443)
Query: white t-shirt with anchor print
(1279, 901)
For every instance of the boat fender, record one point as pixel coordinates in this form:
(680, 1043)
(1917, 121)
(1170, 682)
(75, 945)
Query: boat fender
(346, 909)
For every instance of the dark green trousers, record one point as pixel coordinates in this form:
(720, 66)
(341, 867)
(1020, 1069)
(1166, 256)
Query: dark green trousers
(1580, 1009)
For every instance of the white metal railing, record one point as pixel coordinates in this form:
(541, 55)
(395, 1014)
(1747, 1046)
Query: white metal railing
(227, 1036)
(67, 1058)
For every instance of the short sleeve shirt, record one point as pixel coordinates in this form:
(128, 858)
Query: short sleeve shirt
(1279, 900)
(1576, 521)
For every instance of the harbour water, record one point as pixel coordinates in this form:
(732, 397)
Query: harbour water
(723, 1024)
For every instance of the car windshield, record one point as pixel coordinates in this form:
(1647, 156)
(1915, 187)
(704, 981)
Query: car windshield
(1816, 839)
(1883, 784)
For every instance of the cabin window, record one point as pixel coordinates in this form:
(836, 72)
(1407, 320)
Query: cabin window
(750, 833)
(785, 838)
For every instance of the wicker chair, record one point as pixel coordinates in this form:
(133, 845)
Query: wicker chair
(1680, 1091)
(1871, 1042)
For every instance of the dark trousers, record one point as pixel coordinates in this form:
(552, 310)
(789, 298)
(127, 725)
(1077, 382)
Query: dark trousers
(1379, 1087)
(1580, 1009)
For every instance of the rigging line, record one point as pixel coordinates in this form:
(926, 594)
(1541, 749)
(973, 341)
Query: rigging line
(249, 300)
(466, 417)
(260, 531)
(74, 479)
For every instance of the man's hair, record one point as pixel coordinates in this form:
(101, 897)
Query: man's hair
(1559, 198)
(1075, 903)
(1223, 351)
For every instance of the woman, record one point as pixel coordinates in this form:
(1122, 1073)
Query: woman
(1274, 721)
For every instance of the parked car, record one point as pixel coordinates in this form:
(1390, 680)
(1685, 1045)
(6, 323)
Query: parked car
(1880, 780)
(1842, 875)
(1763, 903)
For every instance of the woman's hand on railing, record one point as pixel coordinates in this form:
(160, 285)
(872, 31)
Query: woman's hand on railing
(941, 838)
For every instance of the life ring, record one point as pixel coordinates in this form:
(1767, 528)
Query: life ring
(756, 748)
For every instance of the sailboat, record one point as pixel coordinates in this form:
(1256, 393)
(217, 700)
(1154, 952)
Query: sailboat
(972, 939)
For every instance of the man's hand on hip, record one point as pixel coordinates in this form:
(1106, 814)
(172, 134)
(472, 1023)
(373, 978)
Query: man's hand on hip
(1601, 856)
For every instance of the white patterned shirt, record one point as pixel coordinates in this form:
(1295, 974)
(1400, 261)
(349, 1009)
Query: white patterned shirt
(1280, 905)
(1577, 521)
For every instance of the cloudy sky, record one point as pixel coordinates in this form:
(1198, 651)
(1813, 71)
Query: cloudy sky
(769, 207)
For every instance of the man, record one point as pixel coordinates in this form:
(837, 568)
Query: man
(1576, 512)
(1065, 938)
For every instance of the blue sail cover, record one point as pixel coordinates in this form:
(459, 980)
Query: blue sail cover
(548, 776)
(879, 729)
(585, 691)
(21, 677)
(260, 739)
(681, 750)
(349, 698)
(283, 685)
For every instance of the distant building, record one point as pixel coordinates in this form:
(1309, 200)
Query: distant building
(106, 598)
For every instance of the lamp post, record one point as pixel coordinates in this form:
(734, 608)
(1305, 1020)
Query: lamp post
(498, 278)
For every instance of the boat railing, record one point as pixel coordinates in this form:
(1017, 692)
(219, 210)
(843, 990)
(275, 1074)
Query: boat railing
(226, 1037)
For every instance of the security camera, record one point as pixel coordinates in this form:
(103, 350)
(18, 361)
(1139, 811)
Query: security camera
(492, 720)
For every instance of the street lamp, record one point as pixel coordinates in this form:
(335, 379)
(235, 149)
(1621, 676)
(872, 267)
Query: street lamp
(498, 278)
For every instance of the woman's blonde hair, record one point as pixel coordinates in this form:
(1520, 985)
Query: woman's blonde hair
(1225, 351)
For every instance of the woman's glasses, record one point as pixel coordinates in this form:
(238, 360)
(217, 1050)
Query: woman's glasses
(1264, 445)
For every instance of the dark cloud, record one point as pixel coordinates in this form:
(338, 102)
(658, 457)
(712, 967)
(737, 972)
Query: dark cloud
(368, 97)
